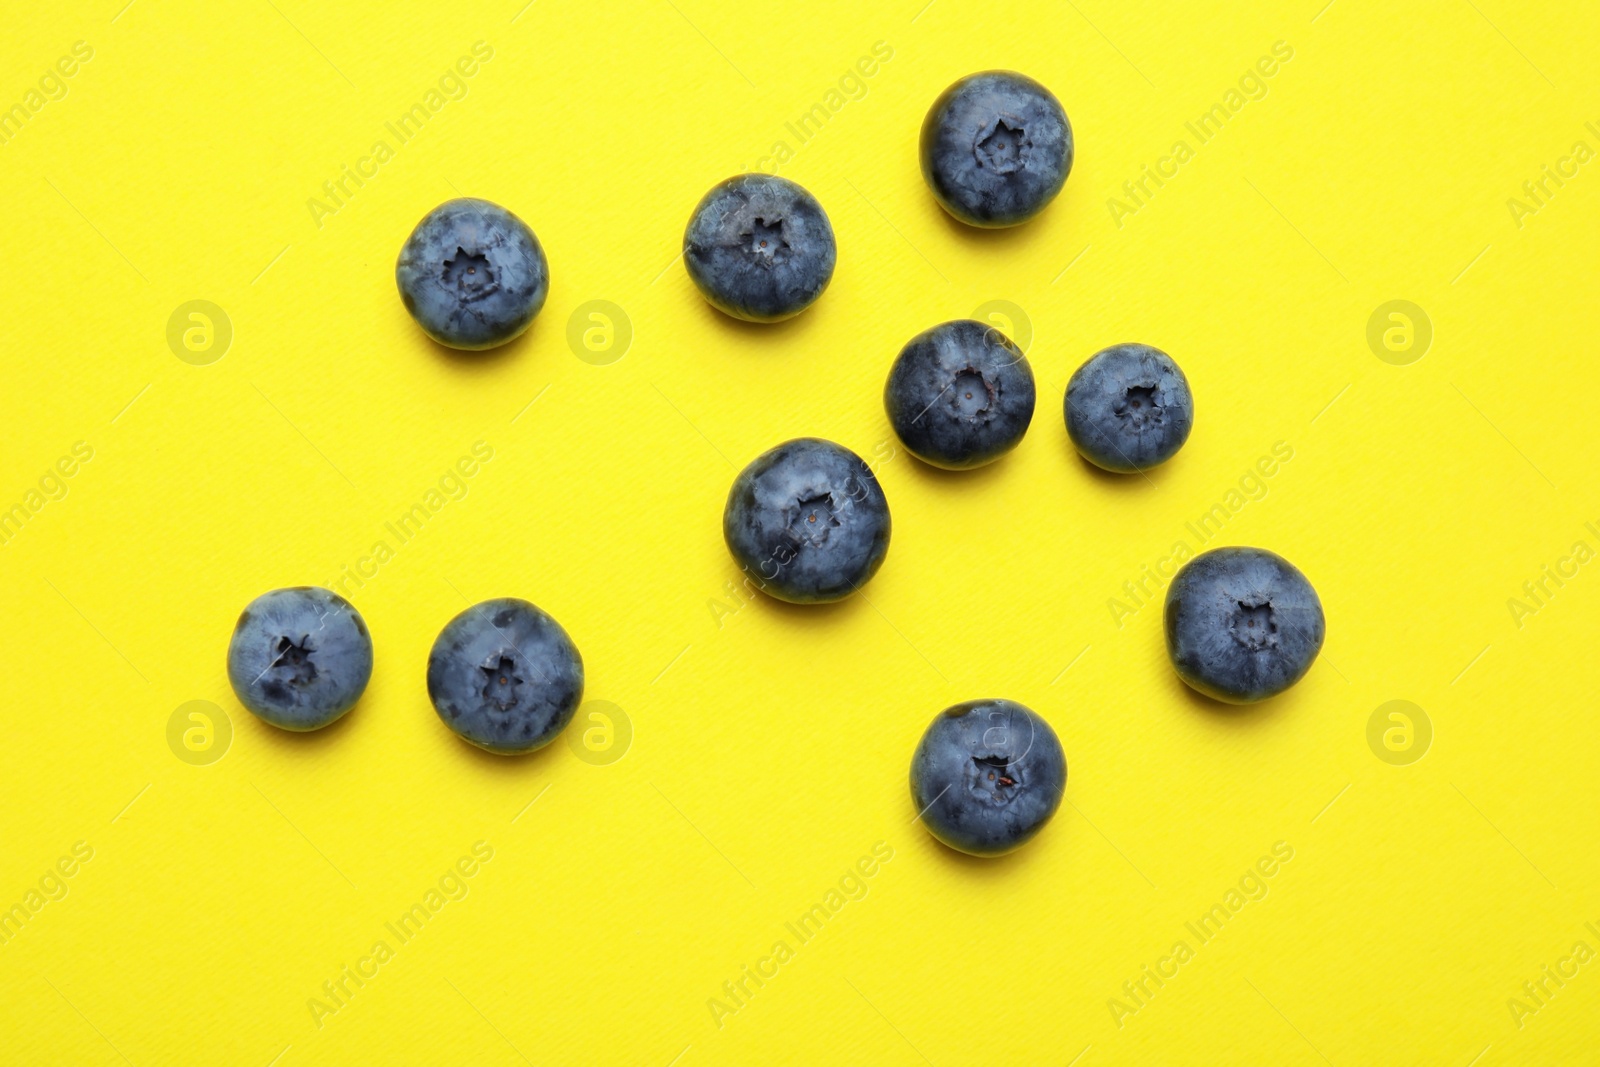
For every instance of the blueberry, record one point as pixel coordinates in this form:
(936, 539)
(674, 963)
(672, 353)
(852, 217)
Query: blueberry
(1242, 624)
(505, 676)
(960, 395)
(996, 148)
(300, 657)
(759, 247)
(987, 776)
(1129, 408)
(472, 274)
(808, 521)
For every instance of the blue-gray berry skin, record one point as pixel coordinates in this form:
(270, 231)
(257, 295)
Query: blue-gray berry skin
(808, 521)
(472, 274)
(960, 395)
(759, 248)
(987, 775)
(1243, 624)
(996, 148)
(505, 676)
(1129, 408)
(300, 657)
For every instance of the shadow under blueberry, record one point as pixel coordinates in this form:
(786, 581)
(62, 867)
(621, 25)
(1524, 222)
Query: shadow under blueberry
(792, 328)
(1259, 712)
(833, 613)
(991, 237)
(335, 733)
(953, 480)
(470, 358)
(1007, 866)
(511, 765)
(1148, 480)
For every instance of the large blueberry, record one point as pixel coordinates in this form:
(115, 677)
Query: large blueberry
(300, 657)
(505, 676)
(1129, 408)
(960, 395)
(987, 776)
(996, 148)
(808, 521)
(1243, 624)
(759, 247)
(472, 274)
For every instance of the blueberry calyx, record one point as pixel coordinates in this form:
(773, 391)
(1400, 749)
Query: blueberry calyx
(470, 275)
(1254, 626)
(1002, 144)
(972, 394)
(1140, 406)
(296, 659)
(501, 682)
(814, 517)
(998, 772)
(767, 246)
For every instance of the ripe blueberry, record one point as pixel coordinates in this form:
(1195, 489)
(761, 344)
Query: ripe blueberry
(808, 521)
(987, 776)
(1242, 624)
(472, 274)
(1129, 408)
(505, 676)
(960, 395)
(299, 657)
(996, 148)
(759, 247)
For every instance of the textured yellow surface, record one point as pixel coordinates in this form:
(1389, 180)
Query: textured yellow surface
(578, 910)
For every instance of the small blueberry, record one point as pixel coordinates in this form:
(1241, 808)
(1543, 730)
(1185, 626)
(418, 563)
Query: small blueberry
(759, 248)
(807, 521)
(1129, 408)
(505, 676)
(987, 775)
(960, 395)
(996, 148)
(1243, 624)
(472, 274)
(299, 657)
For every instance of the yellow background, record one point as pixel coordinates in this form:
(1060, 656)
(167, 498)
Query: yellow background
(771, 743)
